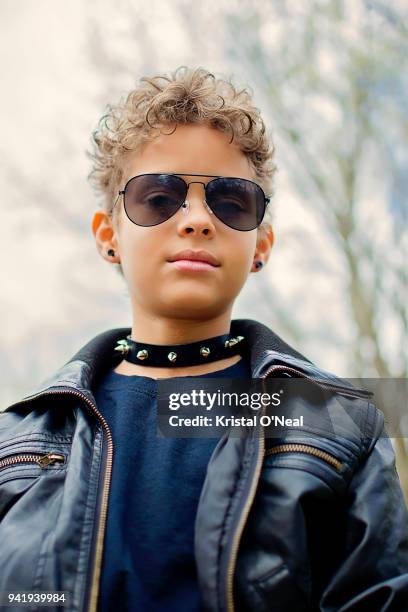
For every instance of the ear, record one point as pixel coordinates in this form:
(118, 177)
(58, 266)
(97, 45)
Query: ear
(264, 243)
(105, 235)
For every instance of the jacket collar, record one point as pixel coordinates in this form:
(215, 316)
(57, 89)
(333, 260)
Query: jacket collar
(98, 355)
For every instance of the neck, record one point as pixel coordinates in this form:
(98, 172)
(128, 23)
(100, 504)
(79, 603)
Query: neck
(152, 329)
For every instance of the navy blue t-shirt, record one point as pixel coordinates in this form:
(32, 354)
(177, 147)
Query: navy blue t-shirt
(148, 560)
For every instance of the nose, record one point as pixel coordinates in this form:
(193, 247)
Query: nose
(196, 215)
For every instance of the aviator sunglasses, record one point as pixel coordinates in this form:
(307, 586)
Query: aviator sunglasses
(152, 198)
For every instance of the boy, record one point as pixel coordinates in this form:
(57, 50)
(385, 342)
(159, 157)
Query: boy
(92, 502)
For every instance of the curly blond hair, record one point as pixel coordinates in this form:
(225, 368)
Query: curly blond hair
(185, 96)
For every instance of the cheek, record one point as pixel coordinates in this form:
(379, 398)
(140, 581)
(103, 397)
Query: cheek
(243, 250)
(239, 257)
(136, 252)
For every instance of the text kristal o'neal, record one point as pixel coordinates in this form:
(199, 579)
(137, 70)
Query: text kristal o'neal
(234, 421)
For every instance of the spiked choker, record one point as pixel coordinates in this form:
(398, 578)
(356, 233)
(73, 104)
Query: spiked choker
(193, 353)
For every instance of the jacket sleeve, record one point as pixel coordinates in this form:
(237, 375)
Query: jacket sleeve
(373, 573)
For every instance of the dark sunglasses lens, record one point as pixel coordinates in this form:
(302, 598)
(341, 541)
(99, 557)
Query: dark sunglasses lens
(239, 203)
(151, 199)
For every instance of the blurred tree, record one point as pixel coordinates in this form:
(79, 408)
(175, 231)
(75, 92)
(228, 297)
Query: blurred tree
(334, 76)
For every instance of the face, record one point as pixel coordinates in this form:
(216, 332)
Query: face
(167, 289)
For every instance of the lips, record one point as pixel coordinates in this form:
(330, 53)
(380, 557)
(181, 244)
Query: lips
(203, 256)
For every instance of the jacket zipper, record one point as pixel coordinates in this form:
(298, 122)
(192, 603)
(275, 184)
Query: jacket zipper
(261, 452)
(305, 448)
(96, 570)
(42, 460)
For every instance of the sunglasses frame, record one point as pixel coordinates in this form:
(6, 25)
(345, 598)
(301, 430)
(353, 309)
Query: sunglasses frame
(180, 175)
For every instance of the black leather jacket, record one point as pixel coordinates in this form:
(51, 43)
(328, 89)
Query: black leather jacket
(287, 531)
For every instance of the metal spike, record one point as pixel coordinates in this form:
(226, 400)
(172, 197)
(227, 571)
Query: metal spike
(122, 348)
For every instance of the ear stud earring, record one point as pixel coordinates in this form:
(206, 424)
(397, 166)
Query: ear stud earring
(258, 264)
(111, 253)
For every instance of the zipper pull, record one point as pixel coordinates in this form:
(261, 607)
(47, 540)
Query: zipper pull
(50, 458)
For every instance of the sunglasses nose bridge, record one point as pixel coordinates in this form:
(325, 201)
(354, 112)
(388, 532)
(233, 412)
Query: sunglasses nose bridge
(186, 203)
